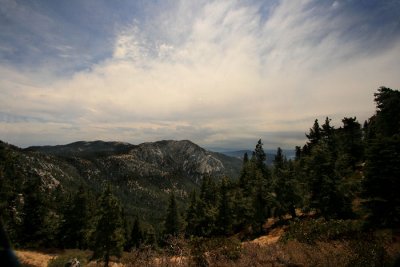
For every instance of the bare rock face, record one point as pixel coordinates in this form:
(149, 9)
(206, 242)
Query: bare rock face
(178, 157)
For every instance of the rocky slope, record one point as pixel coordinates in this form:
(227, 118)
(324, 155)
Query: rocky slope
(166, 159)
(142, 175)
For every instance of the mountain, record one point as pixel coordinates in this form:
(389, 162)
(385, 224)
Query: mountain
(290, 154)
(142, 175)
(82, 148)
(238, 153)
(162, 158)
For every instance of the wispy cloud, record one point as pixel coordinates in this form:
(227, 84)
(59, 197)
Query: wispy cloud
(217, 72)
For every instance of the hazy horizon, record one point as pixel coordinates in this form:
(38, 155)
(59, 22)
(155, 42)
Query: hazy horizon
(222, 74)
(214, 148)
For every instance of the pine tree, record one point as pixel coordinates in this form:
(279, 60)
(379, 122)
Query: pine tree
(328, 135)
(260, 157)
(327, 130)
(243, 178)
(254, 198)
(279, 159)
(206, 208)
(298, 153)
(192, 216)
(76, 223)
(382, 171)
(245, 158)
(109, 233)
(388, 111)
(208, 191)
(34, 212)
(350, 146)
(224, 217)
(382, 181)
(10, 187)
(172, 223)
(281, 185)
(314, 136)
(325, 186)
(287, 189)
(136, 237)
(260, 213)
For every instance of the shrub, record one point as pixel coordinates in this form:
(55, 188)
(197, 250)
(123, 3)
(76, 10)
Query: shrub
(207, 251)
(143, 256)
(369, 249)
(310, 231)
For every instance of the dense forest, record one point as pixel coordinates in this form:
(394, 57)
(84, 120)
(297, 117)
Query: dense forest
(342, 184)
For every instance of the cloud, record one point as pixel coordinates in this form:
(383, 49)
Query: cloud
(215, 72)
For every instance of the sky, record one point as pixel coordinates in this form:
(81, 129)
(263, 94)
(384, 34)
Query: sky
(222, 74)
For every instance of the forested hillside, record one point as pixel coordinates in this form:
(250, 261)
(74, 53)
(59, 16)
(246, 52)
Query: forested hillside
(60, 180)
(342, 185)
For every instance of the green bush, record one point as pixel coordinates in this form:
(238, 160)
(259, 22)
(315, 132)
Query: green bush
(63, 259)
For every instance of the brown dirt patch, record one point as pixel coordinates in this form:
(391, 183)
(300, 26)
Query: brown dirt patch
(271, 238)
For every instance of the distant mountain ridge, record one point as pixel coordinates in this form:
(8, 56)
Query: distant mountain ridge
(157, 158)
(142, 175)
(290, 154)
(83, 147)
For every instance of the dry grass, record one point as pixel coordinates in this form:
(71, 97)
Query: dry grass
(263, 251)
(272, 237)
(101, 264)
(293, 253)
(33, 258)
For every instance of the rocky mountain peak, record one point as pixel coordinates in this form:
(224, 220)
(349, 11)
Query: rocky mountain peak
(166, 158)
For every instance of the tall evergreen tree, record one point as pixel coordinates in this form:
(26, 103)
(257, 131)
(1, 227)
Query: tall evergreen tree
(243, 178)
(314, 135)
(11, 185)
(324, 184)
(260, 209)
(245, 158)
(136, 237)
(382, 181)
(350, 141)
(328, 136)
(254, 197)
(297, 153)
(388, 111)
(172, 225)
(191, 215)
(246, 176)
(382, 171)
(207, 208)
(76, 222)
(260, 157)
(279, 159)
(224, 217)
(326, 130)
(286, 186)
(109, 233)
(33, 231)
